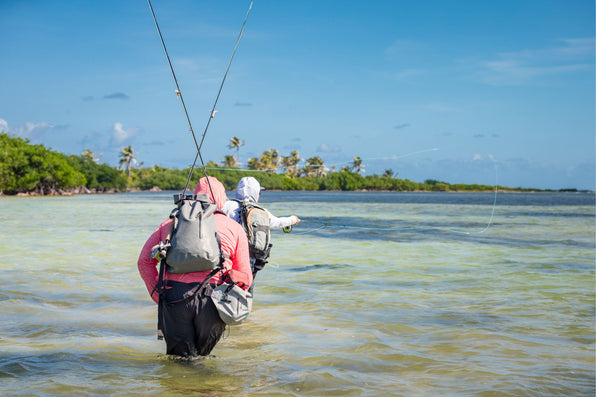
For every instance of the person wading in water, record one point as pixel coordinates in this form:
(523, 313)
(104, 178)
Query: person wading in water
(193, 327)
(248, 192)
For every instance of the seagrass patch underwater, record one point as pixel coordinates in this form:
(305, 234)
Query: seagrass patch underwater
(371, 294)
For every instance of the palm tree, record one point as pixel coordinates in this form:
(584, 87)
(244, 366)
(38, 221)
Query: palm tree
(88, 154)
(235, 143)
(295, 157)
(315, 166)
(254, 164)
(127, 158)
(290, 163)
(357, 165)
(274, 160)
(269, 160)
(229, 161)
(388, 173)
(265, 161)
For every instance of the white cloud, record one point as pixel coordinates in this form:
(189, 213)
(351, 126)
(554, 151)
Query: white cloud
(32, 131)
(120, 135)
(324, 148)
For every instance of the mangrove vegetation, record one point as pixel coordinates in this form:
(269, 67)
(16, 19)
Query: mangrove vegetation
(26, 168)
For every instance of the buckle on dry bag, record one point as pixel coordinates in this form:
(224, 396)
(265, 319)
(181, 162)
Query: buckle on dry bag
(159, 251)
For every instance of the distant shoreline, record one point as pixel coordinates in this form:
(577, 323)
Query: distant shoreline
(84, 190)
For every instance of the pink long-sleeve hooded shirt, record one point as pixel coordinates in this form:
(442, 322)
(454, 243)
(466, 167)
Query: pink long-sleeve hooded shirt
(233, 243)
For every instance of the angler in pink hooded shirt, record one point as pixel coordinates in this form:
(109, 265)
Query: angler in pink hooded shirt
(194, 328)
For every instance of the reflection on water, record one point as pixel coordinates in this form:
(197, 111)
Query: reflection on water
(399, 294)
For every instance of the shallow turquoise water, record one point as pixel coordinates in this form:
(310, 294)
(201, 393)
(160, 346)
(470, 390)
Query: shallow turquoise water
(372, 294)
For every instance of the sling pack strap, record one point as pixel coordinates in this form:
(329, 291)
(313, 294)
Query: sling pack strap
(160, 279)
(162, 265)
(196, 289)
(160, 287)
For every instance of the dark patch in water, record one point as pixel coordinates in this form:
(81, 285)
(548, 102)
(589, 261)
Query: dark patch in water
(355, 228)
(317, 266)
(431, 198)
(546, 214)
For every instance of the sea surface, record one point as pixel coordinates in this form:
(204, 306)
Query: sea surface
(372, 294)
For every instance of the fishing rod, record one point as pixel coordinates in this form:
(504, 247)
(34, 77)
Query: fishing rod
(179, 94)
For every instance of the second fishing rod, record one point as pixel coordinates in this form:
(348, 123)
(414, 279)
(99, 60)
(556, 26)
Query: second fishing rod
(179, 94)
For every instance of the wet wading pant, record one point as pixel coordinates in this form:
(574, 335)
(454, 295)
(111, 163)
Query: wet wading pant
(190, 323)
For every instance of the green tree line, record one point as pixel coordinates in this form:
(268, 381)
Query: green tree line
(28, 168)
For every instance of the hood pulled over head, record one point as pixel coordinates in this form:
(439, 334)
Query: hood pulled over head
(248, 188)
(219, 191)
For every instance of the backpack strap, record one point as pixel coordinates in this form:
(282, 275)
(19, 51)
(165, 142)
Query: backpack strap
(159, 251)
(196, 289)
(159, 286)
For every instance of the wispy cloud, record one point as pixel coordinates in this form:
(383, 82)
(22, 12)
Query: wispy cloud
(441, 107)
(295, 144)
(481, 136)
(93, 141)
(405, 74)
(479, 157)
(400, 46)
(531, 66)
(403, 50)
(401, 126)
(324, 148)
(116, 95)
(292, 146)
(157, 143)
(208, 68)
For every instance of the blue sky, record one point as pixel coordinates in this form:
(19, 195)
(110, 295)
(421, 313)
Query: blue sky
(458, 91)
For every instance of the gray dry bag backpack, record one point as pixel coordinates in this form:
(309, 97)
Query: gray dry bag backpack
(255, 221)
(194, 242)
